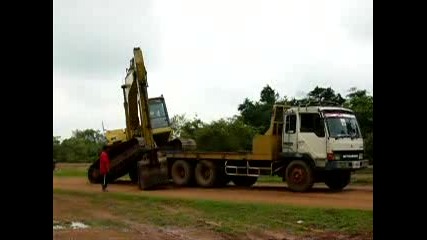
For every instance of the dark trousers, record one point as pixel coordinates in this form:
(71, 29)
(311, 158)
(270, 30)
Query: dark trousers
(104, 182)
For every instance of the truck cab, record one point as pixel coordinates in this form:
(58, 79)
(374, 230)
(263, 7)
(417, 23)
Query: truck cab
(328, 139)
(330, 136)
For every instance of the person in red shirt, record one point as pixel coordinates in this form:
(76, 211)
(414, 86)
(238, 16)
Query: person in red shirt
(104, 168)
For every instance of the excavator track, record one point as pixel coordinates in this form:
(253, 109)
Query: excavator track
(123, 156)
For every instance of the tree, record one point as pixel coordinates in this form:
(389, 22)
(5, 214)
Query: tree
(257, 114)
(268, 95)
(82, 146)
(56, 146)
(362, 105)
(230, 134)
(90, 135)
(184, 127)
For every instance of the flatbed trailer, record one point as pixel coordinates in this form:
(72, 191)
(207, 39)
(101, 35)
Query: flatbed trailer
(216, 169)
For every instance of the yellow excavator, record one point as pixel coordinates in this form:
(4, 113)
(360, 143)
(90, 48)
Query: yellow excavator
(135, 151)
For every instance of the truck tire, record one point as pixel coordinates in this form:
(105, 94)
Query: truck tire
(244, 181)
(182, 173)
(337, 180)
(299, 176)
(206, 173)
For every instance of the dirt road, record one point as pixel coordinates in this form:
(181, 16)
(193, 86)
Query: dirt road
(356, 197)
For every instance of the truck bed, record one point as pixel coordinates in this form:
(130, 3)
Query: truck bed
(200, 155)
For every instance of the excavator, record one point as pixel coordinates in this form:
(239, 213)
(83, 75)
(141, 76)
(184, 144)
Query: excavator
(137, 150)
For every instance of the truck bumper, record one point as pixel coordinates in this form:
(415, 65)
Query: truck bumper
(349, 165)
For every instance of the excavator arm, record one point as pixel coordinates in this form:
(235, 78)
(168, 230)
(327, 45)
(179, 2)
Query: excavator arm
(151, 172)
(136, 101)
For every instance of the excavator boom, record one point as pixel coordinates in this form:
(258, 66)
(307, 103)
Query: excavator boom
(136, 101)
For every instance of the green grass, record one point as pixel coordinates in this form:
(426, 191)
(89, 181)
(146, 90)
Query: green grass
(270, 179)
(363, 179)
(224, 216)
(369, 170)
(70, 173)
(71, 169)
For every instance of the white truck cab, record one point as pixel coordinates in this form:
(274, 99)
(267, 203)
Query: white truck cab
(328, 138)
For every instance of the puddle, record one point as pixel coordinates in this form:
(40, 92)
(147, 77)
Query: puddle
(58, 227)
(72, 225)
(78, 225)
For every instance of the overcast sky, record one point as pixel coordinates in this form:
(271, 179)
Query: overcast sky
(204, 56)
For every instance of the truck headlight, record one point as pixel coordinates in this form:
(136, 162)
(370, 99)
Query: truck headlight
(360, 156)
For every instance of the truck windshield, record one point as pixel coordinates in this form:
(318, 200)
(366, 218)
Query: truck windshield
(158, 114)
(342, 126)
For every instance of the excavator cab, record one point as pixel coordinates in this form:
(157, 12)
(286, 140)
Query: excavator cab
(160, 123)
(162, 128)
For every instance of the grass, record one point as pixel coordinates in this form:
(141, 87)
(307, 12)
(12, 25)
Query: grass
(71, 169)
(270, 179)
(369, 170)
(69, 173)
(362, 179)
(231, 218)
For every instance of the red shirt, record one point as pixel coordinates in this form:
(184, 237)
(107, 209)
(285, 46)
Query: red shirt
(104, 163)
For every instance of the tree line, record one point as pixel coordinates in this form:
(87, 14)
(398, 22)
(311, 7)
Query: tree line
(233, 133)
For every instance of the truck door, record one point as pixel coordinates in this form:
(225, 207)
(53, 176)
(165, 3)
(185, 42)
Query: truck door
(290, 134)
(311, 136)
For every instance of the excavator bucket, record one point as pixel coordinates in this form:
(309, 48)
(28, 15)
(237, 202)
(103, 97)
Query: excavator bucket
(152, 172)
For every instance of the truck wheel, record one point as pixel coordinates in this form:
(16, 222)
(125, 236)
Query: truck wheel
(206, 173)
(182, 173)
(244, 181)
(299, 176)
(337, 180)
